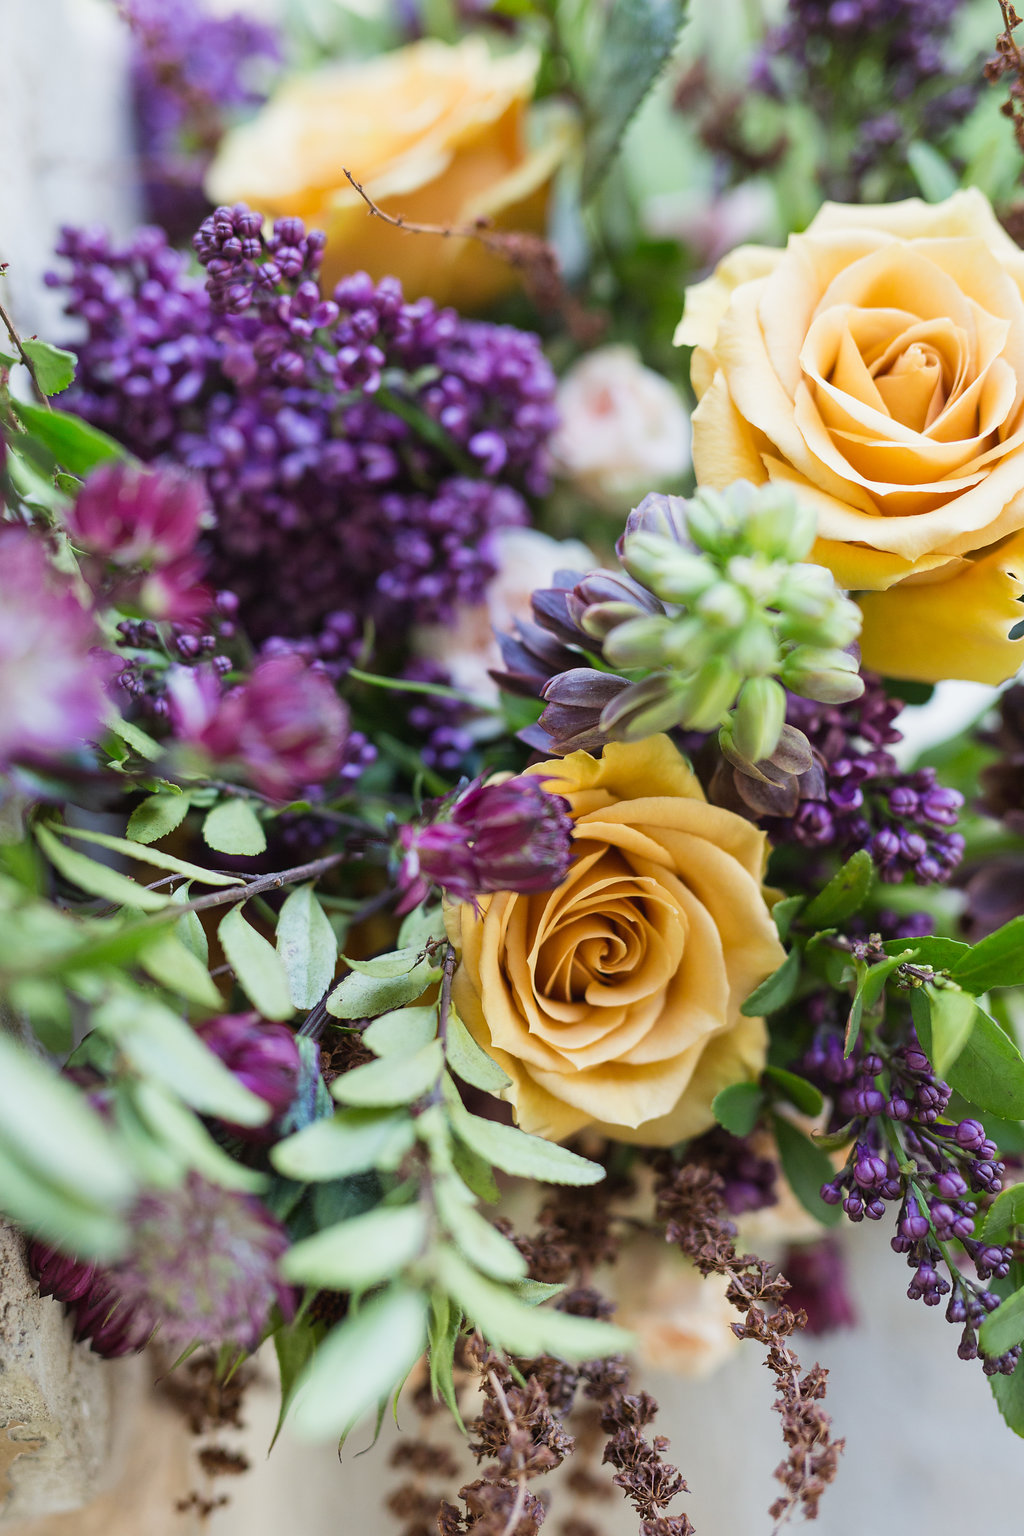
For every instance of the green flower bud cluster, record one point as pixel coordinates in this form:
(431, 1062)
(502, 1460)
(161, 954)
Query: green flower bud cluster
(741, 616)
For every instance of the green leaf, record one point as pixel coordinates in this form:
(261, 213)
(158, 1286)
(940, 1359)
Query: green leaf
(953, 1016)
(995, 961)
(737, 1107)
(359, 1362)
(989, 1070)
(73, 443)
(478, 1240)
(807, 1167)
(785, 912)
(350, 1143)
(421, 924)
(510, 1323)
(873, 983)
(193, 935)
(295, 1344)
(936, 954)
(398, 962)
(445, 1327)
(139, 740)
(797, 1089)
(470, 1061)
(361, 1252)
(1006, 1212)
(98, 879)
(53, 367)
(843, 895)
(363, 997)
(307, 946)
(1004, 1327)
(395, 1080)
(933, 173)
(776, 991)
(55, 1214)
(175, 967)
(180, 1130)
(474, 1171)
(233, 827)
(402, 1032)
(1008, 1392)
(638, 38)
(154, 856)
(156, 816)
(257, 968)
(44, 1002)
(506, 1147)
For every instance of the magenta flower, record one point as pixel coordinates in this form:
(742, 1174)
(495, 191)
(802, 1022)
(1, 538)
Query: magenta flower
(51, 691)
(263, 1056)
(284, 727)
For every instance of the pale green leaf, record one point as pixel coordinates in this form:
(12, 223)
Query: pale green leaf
(255, 963)
(359, 1363)
(174, 966)
(360, 1252)
(134, 736)
(528, 1157)
(363, 997)
(155, 856)
(157, 816)
(398, 962)
(307, 946)
(478, 1240)
(233, 827)
(421, 924)
(470, 1061)
(178, 1127)
(98, 879)
(394, 1080)
(638, 39)
(54, 1214)
(352, 1142)
(1004, 1327)
(192, 934)
(401, 1032)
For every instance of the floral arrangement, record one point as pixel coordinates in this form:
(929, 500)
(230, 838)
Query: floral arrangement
(456, 873)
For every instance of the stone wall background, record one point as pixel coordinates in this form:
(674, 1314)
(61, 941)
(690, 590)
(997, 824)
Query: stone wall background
(926, 1450)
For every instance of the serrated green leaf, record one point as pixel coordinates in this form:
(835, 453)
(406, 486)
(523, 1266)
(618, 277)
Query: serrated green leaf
(776, 991)
(295, 1344)
(394, 1080)
(179, 1128)
(807, 1167)
(638, 38)
(364, 997)
(995, 961)
(512, 1324)
(257, 968)
(73, 443)
(233, 827)
(512, 1150)
(474, 1171)
(54, 368)
(843, 895)
(469, 1061)
(1004, 1327)
(307, 946)
(807, 1098)
(354, 1140)
(359, 1363)
(98, 879)
(1005, 1213)
(737, 1107)
(402, 1032)
(134, 736)
(192, 934)
(175, 967)
(155, 856)
(533, 1292)
(361, 1252)
(156, 816)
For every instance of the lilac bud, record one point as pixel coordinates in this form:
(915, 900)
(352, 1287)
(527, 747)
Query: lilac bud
(970, 1134)
(512, 836)
(869, 1170)
(263, 1056)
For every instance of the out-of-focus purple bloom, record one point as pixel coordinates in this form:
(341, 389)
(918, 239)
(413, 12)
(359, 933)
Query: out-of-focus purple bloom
(101, 1316)
(263, 1056)
(51, 693)
(513, 836)
(284, 726)
(818, 1285)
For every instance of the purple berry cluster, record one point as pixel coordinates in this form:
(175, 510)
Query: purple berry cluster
(902, 819)
(351, 446)
(892, 1104)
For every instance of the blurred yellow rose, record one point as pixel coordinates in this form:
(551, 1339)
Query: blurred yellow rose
(435, 133)
(614, 1001)
(877, 365)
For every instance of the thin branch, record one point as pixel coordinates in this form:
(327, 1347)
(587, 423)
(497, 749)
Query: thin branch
(16, 341)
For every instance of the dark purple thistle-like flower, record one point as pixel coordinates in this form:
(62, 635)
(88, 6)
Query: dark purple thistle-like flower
(101, 1316)
(283, 727)
(513, 836)
(262, 1055)
(51, 690)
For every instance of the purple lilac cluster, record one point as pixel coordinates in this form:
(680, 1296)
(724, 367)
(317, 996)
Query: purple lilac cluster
(890, 1102)
(904, 820)
(351, 446)
(438, 722)
(190, 72)
(890, 56)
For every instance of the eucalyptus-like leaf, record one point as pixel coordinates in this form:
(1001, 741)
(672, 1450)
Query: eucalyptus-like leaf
(474, 1235)
(515, 1152)
(170, 1121)
(98, 879)
(354, 1140)
(469, 1061)
(255, 963)
(175, 966)
(393, 1080)
(359, 1253)
(307, 946)
(364, 997)
(402, 1032)
(155, 856)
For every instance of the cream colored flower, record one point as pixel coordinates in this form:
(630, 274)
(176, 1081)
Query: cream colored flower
(877, 365)
(435, 133)
(614, 1000)
(682, 1321)
(623, 428)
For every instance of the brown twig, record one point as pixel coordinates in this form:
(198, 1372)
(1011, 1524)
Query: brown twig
(16, 341)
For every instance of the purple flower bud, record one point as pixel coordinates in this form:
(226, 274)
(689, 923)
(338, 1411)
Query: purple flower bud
(869, 1170)
(970, 1134)
(263, 1056)
(913, 1223)
(513, 836)
(136, 517)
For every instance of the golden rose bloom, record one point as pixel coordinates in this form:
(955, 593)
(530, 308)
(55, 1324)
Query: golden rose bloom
(435, 133)
(614, 1001)
(877, 365)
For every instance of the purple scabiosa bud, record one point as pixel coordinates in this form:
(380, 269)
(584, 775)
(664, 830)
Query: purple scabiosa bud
(51, 693)
(263, 1056)
(284, 727)
(817, 1285)
(101, 1316)
(512, 836)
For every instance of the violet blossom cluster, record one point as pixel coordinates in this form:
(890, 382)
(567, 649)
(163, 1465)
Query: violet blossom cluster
(893, 1107)
(860, 799)
(358, 450)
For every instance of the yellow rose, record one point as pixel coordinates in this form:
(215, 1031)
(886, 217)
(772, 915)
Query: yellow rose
(877, 365)
(437, 134)
(614, 1001)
